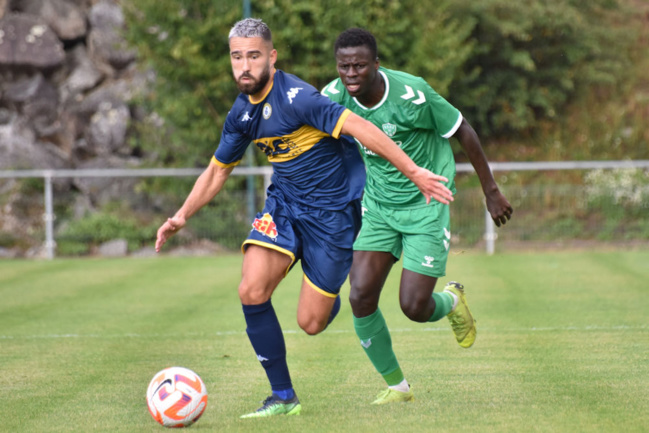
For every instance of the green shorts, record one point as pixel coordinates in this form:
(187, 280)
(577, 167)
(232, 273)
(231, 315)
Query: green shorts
(422, 234)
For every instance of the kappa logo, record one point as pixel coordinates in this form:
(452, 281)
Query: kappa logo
(429, 262)
(367, 343)
(292, 93)
(411, 94)
(261, 358)
(246, 117)
(266, 226)
(389, 129)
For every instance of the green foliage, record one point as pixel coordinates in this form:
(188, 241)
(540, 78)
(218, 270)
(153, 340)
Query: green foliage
(8, 239)
(531, 57)
(627, 190)
(622, 196)
(506, 65)
(305, 32)
(79, 236)
(185, 42)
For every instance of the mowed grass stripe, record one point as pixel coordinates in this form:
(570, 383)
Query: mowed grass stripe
(562, 346)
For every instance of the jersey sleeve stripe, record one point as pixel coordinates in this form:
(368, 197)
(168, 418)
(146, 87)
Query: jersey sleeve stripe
(450, 133)
(341, 121)
(223, 165)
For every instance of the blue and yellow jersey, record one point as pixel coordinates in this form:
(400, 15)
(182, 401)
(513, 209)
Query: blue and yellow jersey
(298, 129)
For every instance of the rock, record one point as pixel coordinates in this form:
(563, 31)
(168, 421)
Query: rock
(84, 76)
(66, 19)
(8, 253)
(145, 252)
(26, 40)
(68, 86)
(4, 7)
(103, 190)
(106, 45)
(107, 130)
(114, 248)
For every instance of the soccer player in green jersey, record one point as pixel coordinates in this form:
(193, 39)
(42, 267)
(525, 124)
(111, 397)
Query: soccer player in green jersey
(396, 219)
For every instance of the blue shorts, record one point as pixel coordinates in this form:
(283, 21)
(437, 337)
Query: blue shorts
(322, 239)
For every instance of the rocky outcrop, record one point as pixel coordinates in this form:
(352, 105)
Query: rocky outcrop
(68, 89)
(67, 84)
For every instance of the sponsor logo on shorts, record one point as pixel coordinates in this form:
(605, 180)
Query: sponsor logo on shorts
(266, 226)
(429, 262)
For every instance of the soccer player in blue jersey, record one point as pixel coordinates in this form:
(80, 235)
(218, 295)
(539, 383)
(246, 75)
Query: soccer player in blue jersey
(395, 219)
(312, 210)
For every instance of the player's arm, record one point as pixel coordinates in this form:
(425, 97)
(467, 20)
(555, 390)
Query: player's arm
(375, 140)
(207, 186)
(497, 205)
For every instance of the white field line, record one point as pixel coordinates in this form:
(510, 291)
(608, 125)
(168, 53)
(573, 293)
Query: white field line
(342, 331)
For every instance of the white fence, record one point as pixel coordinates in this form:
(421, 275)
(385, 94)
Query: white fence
(489, 234)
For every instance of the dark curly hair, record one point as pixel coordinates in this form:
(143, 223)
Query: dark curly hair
(356, 37)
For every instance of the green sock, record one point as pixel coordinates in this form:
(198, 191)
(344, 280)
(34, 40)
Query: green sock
(443, 306)
(376, 341)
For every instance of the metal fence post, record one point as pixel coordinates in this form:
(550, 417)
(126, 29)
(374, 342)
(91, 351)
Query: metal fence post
(490, 234)
(50, 244)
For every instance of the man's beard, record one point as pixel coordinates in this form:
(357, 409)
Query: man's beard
(256, 86)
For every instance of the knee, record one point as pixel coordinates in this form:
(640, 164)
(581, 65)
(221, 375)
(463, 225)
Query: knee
(311, 326)
(251, 294)
(416, 309)
(362, 300)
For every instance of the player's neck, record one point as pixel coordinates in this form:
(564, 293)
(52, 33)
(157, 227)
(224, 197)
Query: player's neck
(374, 96)
(261, 95)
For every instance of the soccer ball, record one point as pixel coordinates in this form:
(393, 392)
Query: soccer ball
(176, 397)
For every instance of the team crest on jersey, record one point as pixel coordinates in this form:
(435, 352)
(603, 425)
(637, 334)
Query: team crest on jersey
(267, 111)
(266, 226)
(389, 129)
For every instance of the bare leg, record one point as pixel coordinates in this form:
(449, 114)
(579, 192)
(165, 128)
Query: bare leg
(415, 295)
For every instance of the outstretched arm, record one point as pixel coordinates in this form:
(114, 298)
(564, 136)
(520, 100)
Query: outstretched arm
(207, 186)
(374, 139)
(497, 205)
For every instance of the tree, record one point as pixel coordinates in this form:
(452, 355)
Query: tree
(531, 57)
(185, 43)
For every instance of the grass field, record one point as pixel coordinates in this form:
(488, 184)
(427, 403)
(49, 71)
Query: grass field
(563, 346)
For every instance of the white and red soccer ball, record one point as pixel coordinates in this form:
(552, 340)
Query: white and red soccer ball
(176, 397)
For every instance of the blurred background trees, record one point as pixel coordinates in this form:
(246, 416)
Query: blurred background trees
(537, 74)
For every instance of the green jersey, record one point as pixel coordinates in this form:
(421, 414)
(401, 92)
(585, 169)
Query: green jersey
(419, 120)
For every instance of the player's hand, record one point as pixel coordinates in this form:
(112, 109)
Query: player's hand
(431, 186)
(499, 208)
(167, 230)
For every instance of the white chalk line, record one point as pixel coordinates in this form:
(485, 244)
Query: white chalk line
(331, 331)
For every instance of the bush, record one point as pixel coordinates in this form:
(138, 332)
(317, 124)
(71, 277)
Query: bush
(79, 236)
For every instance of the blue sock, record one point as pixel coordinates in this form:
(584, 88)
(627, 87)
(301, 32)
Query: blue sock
(285, 394)
(334, 310)
(267, 340)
